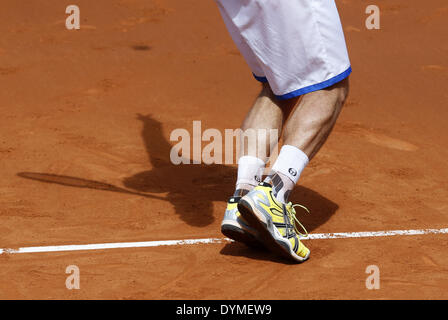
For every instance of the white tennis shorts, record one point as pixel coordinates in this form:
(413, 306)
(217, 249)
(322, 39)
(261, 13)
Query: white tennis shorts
(297, 46)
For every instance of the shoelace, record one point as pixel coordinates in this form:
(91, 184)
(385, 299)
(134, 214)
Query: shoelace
(292, 217)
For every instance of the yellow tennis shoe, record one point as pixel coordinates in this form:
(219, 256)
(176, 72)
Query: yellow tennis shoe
(236, 228)
(274, 221)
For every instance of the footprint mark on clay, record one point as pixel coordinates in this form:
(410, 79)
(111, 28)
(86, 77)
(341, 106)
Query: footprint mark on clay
(393, 8)
(102, 87)
(404, 173)
(4, 71)
(438, 13)
(383, 140)
(141, 47)
(153, 14)
(377, 138)
(352, 28)
(435, 68)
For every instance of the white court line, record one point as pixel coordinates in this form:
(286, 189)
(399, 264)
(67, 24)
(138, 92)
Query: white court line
(145, 244)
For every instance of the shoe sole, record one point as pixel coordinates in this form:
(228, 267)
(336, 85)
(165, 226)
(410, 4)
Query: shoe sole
(238, 234)
(268, 232)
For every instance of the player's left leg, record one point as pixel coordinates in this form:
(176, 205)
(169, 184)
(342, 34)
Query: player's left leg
(313, 119)
(266, 207)
(304, 134)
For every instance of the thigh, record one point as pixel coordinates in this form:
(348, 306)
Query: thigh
(225, 8)
(299, 44)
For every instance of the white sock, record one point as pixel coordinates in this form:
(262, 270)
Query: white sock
(250, 172)
(290, 162)
(286, 171)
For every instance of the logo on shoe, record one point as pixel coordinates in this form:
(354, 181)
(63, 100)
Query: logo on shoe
(292, 172)
(257, 178)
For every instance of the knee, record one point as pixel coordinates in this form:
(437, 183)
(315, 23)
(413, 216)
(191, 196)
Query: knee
(338, 94)
(266, 90)
(342, 90)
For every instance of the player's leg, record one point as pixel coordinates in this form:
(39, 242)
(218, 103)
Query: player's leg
(301, 49)
(261, 128)
(313, 119)
(267, 113)
(266, 207)
(263, 114)
(304, 134)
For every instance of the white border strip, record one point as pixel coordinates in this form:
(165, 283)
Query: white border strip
(375, 234)
(145, 244)
(118, 245)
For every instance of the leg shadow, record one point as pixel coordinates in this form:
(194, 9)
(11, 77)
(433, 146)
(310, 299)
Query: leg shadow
(190, 189)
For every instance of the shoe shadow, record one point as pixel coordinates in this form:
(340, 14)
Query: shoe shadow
(236, 249)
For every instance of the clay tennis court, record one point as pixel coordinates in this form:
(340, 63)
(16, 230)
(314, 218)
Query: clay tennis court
(86, 117)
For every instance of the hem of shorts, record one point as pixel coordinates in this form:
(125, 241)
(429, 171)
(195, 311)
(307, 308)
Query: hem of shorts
(261, 79)
(317, 86)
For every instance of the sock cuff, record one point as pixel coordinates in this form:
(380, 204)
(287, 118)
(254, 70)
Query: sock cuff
(291, 161)
(250, 170)
(251, 160)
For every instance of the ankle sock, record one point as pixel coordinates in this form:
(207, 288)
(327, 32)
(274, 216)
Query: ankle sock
(286, 171)
(250, 171)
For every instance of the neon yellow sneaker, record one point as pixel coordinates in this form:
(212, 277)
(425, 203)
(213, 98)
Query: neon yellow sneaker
(236, 228)
(274, 221)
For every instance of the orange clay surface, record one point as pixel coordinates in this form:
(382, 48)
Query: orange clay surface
(85, 123)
